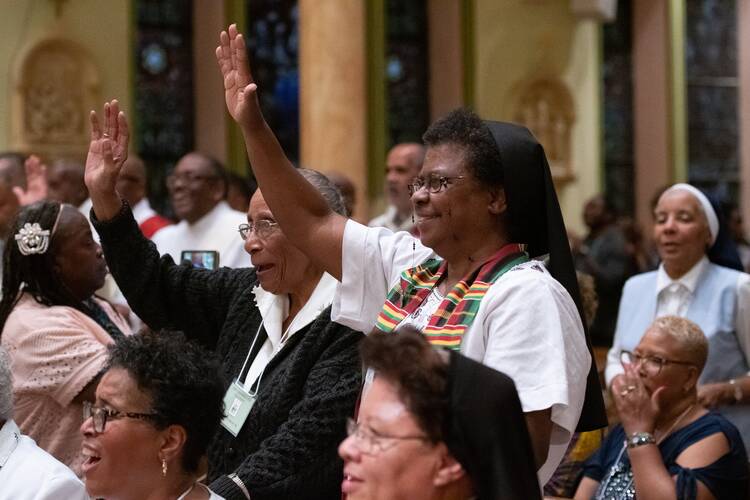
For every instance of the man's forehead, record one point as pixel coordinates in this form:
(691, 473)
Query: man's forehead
(193, 163)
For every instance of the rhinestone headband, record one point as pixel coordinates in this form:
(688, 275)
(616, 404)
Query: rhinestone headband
(32, 239)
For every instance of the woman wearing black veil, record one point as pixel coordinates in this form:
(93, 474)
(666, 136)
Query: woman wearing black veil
(484, 206)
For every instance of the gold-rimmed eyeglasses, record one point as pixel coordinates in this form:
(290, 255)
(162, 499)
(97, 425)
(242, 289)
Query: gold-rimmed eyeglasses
(370, 442)
(263, 229)
(652, 365)
(433, 182)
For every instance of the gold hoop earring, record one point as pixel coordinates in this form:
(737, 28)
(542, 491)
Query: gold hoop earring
(164, 467)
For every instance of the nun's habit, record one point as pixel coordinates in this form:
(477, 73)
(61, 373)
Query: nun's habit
(535, 219)
(486, 432)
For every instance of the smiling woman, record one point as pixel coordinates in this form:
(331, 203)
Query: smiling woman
(54, 328)
(157, 406)
(491, 275)
(291, 374)
(422, 436)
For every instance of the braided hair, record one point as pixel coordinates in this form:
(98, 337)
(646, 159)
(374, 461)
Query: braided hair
(34, 274)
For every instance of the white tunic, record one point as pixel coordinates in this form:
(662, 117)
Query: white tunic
(527, 325)
(217, 230)
(29, 472)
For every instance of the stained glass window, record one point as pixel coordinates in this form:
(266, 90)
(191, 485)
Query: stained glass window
(712, 96)
(163, 88)
(617, 77)
(407, 71)
(272, 41)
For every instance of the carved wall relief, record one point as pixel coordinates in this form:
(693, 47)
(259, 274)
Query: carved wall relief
(56, 85)
(545, 107)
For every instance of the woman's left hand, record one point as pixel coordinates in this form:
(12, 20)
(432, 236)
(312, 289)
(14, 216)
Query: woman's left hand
(713, 395)
(637, 409)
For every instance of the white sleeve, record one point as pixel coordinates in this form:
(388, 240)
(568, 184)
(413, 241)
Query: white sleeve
(743, 314)
(535, 336)
(614, 367)
(66, 486)
(372, 260)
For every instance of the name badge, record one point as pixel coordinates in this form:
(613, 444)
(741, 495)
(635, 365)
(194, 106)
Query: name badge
(237, 405)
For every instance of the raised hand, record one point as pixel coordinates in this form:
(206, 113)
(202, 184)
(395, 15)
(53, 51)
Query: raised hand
(108, 150)
(239, 88)
(36, 182)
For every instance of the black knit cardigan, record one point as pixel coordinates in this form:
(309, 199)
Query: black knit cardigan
(287, 447)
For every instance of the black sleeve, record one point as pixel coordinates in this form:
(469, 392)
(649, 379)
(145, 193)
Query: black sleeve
(163, 294)
(300, 460)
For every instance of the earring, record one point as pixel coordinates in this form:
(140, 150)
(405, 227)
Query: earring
(163, 467)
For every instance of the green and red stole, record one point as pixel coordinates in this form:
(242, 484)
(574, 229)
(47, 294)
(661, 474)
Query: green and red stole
(459, 307)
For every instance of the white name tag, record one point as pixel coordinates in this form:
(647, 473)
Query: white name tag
(237, 405)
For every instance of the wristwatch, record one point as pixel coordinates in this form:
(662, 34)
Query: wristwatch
(737, 389)
(640, 438)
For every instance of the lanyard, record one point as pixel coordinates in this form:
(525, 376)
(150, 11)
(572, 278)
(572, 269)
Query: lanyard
(256, 384)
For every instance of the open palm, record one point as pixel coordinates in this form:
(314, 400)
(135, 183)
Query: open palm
(239, 88)
(108, 148)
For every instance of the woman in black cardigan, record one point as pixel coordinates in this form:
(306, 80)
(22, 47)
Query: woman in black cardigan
(270, 326)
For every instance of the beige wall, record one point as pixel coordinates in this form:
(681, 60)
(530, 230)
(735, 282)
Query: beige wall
(518, 40)
(103, 28)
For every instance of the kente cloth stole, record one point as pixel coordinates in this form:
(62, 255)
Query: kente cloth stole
(459, 307)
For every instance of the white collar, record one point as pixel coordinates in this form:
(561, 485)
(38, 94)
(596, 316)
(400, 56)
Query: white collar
(9, 437)
(212, 218)
(689, 280)
(275, 308)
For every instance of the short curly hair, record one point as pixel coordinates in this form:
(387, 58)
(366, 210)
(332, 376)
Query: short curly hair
(465, 129)
(183, 382)
(418, 371)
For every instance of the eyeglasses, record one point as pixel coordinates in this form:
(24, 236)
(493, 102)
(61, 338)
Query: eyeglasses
(434, 183)
(101, 414)
(263, 229)
(371, 443)
(187, 178)
(652, 365)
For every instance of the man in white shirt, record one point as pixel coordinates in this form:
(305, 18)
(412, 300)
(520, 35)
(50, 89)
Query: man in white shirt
(403, 163)
(197, 189)
(132, 186)
(27, 471)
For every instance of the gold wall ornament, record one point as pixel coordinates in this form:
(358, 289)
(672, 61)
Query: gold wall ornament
(545, 106)
(55, 87)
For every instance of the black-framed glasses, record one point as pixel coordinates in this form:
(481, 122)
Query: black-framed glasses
(189, 178)
(433, 182)
(652, 365)
(371, 443)
(100, 415)
(263, 229)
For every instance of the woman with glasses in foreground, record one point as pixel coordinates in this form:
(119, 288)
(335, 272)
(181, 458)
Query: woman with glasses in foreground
(667, 445)
(425, 433)
(157, 406)
(292, 374)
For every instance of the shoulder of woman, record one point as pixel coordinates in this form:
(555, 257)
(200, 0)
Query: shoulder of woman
(29, 314)
(714, 437)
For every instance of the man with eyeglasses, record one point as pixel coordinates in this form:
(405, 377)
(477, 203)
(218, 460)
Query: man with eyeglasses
(403, 163)
(197, 190)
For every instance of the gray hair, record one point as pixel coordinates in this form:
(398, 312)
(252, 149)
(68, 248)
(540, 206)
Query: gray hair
(328, 189)
(689, 336)
(6, 387)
